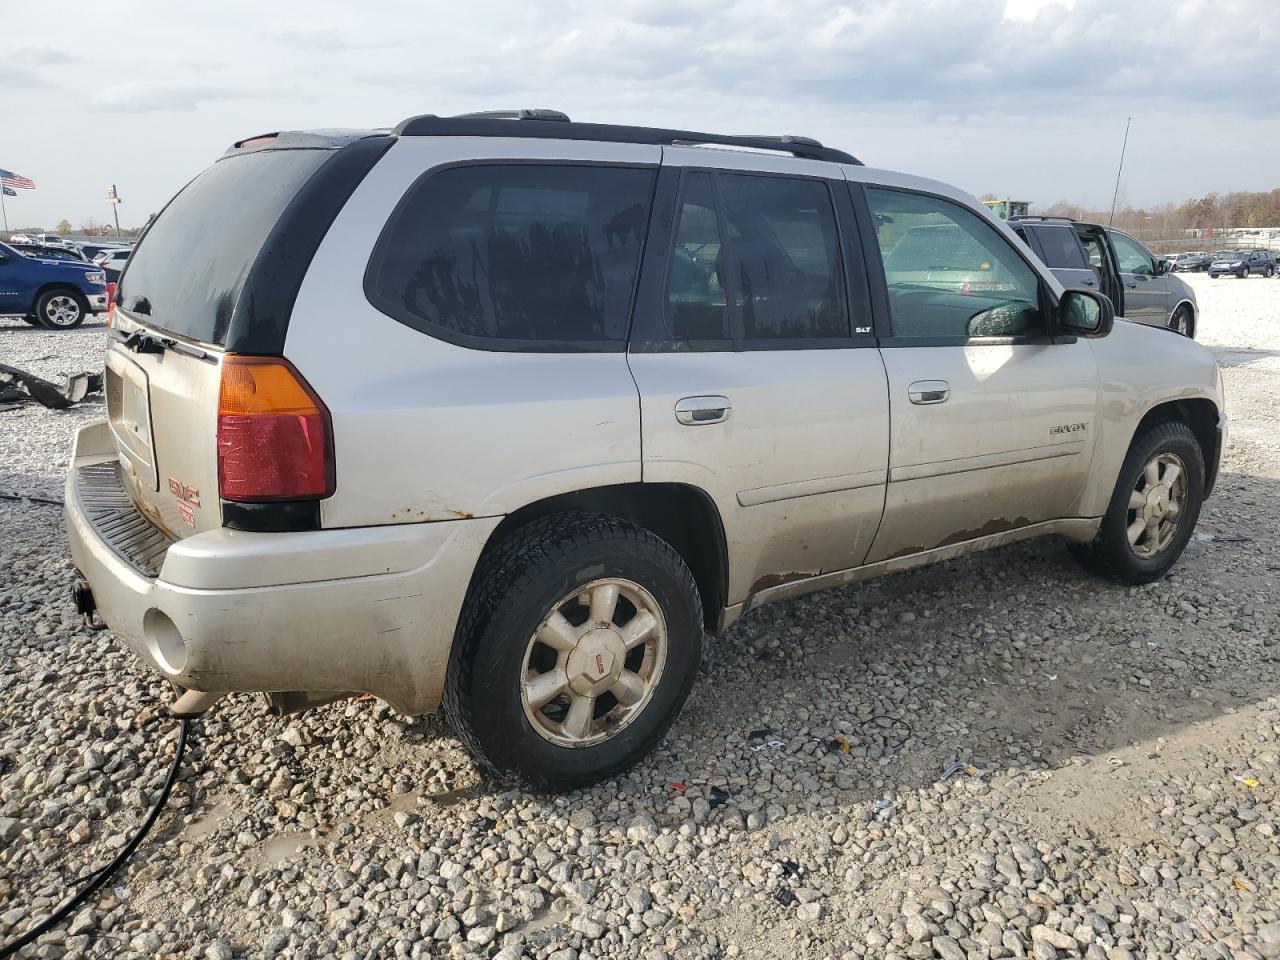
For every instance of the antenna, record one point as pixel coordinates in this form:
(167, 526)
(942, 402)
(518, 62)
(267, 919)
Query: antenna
(1115, 195)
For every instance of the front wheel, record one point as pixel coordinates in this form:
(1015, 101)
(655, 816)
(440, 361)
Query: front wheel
(1269, 272)
(580, 640)
(60, 310)
(1244, 274)
(1154, 508)
(1180, 322)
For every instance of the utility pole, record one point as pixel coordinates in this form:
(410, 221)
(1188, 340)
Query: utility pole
(113, 198)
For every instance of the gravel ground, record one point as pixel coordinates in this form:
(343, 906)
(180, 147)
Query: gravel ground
(1113, 755)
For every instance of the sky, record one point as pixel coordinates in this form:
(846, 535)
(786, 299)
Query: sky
(1022, 98)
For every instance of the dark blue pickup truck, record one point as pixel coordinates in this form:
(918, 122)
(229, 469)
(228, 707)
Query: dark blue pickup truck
(57, 294)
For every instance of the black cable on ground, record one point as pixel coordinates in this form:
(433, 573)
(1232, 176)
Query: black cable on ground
(106, 873)
(19, 497)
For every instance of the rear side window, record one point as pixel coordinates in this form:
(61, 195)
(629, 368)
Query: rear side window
(755, 259)
(190, 267)
(516, 256)
(784, 258)
(1061, 250)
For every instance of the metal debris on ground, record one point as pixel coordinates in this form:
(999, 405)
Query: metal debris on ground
(957, 766)
(18, 387)
(881, 804)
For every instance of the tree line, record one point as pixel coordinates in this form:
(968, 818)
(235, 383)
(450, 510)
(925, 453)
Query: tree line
(1213, 211)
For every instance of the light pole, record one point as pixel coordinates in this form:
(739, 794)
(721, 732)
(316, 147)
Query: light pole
(113, 198)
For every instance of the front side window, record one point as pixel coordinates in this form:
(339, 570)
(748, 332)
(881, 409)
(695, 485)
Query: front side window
(1132, 255)
(755, 258)
(532, 255)
(949, 273)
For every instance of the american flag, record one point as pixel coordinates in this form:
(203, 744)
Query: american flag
(10, 179)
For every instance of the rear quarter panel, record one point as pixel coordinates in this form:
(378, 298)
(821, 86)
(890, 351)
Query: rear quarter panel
(1139, 368)
(426, 430)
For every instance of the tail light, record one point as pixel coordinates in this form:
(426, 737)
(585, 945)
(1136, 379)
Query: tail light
(275, 437)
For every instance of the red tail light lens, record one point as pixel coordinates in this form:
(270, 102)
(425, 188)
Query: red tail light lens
(275, 438)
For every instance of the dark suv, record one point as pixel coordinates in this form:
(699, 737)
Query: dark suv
(1090, 256)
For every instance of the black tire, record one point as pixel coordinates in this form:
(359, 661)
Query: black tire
(31, 319)
(517, 586)
(61, 309)
(1269, 272)
(1243, 274)
(1180, 322)
(1214, 276)
(1110, 553)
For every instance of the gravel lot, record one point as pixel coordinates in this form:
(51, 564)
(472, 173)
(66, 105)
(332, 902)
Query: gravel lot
(1116, 793)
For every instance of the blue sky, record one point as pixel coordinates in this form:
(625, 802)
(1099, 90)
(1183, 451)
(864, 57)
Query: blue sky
(1020, 97)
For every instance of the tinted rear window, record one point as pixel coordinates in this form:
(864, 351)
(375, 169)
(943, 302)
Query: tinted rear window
(190, 267)
(1060, 248)
(522, 256)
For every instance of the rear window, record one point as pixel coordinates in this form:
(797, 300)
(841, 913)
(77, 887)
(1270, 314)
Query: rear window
(522, 256)
(190, 267)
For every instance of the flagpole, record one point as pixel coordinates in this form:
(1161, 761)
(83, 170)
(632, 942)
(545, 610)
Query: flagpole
(4, 210)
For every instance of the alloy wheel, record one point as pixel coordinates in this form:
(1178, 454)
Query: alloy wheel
(1155, 504)
(62, 311)
(593, 664)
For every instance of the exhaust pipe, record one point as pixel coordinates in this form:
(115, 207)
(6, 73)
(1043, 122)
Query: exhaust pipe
(193, 703)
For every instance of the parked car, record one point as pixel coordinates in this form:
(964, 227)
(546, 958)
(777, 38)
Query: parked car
(612, 387)
(114, 259)
(41, 252)
(1243, 264)
(57, 294)
(1090, 256)
(50, 240)
(1193, 262)
(91, 250)
(20, 238)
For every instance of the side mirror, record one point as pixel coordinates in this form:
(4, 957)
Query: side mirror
(1083, 313)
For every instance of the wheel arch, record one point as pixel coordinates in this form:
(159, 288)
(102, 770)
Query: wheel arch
(1200, 414)
(683, 515)
(53, 285)
(1195, 314)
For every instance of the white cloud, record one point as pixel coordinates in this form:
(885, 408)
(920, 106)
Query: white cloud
(986, 93)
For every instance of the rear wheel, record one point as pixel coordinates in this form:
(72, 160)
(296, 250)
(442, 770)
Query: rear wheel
(578, 646)
(1154, 507)
(60, 309)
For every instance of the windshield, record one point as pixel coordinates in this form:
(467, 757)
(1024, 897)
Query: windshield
(187, 272)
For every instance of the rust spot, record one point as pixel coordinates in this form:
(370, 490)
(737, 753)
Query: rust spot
(778, 579)
(986, 530)
(463, 514)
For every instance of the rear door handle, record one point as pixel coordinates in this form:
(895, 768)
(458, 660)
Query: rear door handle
(929, 391)
(700, 411)
(1086, 283)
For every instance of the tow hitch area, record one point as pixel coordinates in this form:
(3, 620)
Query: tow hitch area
(86, 606)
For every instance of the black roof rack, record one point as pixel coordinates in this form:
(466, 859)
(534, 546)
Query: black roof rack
(557, 126)
(1030, 216)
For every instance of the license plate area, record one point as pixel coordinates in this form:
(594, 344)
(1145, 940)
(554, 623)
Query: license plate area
(129, 415)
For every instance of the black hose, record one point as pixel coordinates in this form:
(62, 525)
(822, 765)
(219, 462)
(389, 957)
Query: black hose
(96, 880)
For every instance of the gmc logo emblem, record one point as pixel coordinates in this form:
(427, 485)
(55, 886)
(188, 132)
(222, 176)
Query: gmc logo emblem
(185, 494)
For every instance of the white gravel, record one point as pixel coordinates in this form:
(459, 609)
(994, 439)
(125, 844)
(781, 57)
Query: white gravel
(1117, 794)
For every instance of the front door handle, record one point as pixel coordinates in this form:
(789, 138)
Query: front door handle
(700, 411)
(929, 391)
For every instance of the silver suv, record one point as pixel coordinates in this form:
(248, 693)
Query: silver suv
(503, 412)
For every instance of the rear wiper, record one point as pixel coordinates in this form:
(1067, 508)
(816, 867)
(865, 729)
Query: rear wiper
(143, 341)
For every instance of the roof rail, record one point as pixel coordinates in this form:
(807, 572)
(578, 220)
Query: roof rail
(498, 123)
(1036, 216)
(532, 113)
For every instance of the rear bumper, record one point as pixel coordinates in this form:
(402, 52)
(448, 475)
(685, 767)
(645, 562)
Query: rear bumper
(368, 609)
